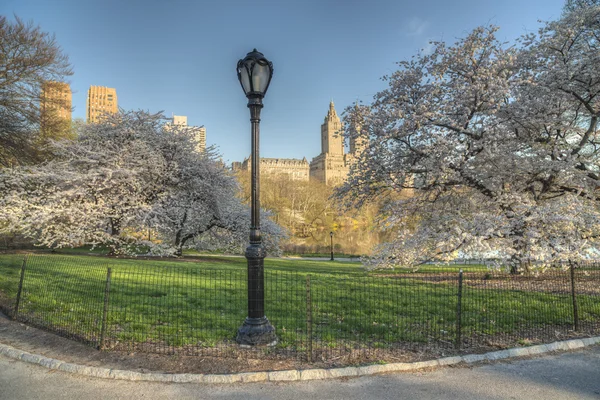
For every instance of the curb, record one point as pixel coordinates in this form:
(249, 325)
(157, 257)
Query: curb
(291, 375)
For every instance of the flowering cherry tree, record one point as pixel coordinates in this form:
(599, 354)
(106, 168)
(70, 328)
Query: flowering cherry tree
(487, 149)
(203, 211)
(119, 178)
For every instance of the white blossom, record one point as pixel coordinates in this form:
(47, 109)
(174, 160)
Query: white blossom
(121, 179)
(487, 149)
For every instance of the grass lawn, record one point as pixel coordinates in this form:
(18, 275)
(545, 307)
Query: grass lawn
(323, 255)
(200, 302)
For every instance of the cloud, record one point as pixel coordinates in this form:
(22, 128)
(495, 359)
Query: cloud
(416, 26)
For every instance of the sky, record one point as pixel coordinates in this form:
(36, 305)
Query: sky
(179, 57)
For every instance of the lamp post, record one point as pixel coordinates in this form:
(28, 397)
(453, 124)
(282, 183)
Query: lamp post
(331, 236)
(255, 73)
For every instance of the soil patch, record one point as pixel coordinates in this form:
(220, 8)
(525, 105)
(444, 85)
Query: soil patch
(50, 345)
(37, 341)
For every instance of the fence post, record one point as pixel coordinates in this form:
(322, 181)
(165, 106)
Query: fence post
(105, 311)
(459, 310)
(574, 297)
(309, 320)
(20, 289)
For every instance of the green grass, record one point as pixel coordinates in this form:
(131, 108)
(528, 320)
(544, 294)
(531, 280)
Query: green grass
(324, 255)
(202, 301)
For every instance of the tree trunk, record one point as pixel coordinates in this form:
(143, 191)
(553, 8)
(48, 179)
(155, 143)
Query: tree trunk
(179, 242)
(115, 226)
(179, 250)
(519, 266)
(515, 264)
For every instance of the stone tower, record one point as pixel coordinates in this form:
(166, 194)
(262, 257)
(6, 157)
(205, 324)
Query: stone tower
(331, 140)
(359, 142)
(330, 166)
(358, 139)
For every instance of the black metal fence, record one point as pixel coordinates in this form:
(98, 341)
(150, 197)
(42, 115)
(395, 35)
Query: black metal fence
(328, 317)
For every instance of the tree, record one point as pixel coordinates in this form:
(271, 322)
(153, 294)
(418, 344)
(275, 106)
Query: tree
(96, 189)
(498, 144)
(292, 202)
(204, 211)
(577, 5)
(118, 178)
(29, 59)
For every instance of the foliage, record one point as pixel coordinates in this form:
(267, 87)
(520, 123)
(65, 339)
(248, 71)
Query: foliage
(126, 175)
(291, 201)
(29, 59)
(309, 212)
(497, 145)
(576, 5)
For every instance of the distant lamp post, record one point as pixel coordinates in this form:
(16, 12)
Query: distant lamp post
(331, 237)
(255, 73)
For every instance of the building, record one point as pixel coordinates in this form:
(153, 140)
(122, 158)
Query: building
(331, 166)
(180, 120)
(55, 108)
(56, 98)
(199, 131)
(358, 139)
(100, 101)
(358, 143)
(294, 168)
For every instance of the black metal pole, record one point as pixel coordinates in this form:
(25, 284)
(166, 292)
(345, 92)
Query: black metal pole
(574, 297)
(20, 289)
(458, 339)
(256, 330)
(308, 319)
(331, 245)
(105, 309)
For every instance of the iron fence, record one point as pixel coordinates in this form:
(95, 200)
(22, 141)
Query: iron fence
(319, 317)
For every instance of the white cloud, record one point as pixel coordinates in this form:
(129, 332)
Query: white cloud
(416, 26)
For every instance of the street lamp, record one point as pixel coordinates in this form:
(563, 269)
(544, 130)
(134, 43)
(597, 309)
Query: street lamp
(255, 73)
(331, 236)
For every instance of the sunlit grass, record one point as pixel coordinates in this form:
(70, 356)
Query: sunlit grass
(202, 301)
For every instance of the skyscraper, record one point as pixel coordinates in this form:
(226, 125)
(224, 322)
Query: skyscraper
(56, 99)
(198, 131)
(201, 136)
(100, 101)
(55, 109)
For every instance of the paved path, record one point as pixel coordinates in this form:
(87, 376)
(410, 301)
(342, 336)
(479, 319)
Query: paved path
(573, 375)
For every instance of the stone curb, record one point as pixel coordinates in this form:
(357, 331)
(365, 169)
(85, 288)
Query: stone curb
(291, 375)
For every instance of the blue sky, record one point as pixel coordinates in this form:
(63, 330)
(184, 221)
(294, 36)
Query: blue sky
(180, 56)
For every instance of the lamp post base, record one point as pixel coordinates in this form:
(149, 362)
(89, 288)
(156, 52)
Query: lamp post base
(256, 332)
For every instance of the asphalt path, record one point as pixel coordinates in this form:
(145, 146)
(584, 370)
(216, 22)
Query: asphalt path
(574, 375)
